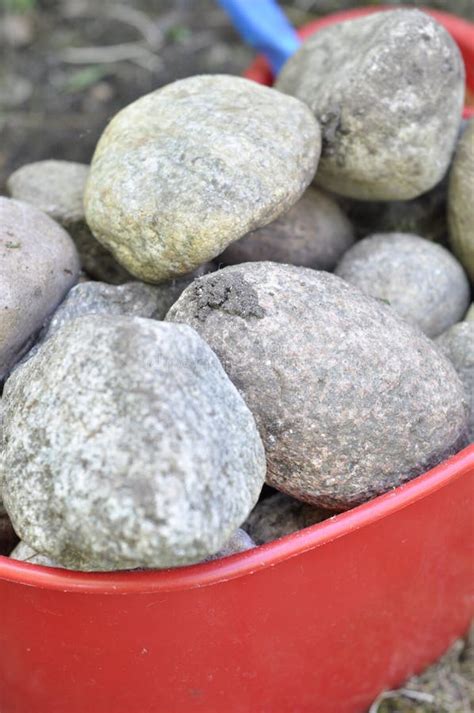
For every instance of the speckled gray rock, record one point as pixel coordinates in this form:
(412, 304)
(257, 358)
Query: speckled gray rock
(388, 90)
(420, 280)
(458, 345)
(240, 541)
(38, 265)
(184, 171)
(25, 553)
(314, 233)
(280, 515)
(113, 455)
(350, 401)
(135, 299)
(461, 201)
(57, 188)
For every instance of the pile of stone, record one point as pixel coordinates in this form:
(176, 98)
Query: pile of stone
(196, 314)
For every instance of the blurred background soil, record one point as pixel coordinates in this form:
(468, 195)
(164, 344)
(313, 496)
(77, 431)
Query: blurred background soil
(67, 66)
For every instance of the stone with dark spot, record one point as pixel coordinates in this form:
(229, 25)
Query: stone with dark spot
(125, 446)
(350, 401)
(184, 171)
(38, 265)
(461, 201)
(314, 233)
(281, 515)
(419, 279)
(228, 293)
(57, 188)
(388, 91)
(458, 345)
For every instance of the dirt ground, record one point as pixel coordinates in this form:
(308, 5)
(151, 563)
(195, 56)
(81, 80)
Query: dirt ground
(67, 66)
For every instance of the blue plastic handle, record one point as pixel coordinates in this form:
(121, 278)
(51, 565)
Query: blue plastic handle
(263, 25)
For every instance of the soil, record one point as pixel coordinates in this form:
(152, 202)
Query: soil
(67, 66)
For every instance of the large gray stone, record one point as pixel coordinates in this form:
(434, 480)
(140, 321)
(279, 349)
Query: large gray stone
(57, 188)
(281, 515)
(461, 201)
(388, 90)
(38, 265)
(458, 345)
(184, 171)
(127, 446)
(350, 401)
(314, 233)
(419, 279)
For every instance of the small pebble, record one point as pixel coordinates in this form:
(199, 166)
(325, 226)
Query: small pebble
(419, 279)
(458, 345)
(461, 201)
(38, 265)
(281, 515)
(25, 553)
(388, 91)
(240, 541)
(57, 188)
(184, 171)
(113, 447)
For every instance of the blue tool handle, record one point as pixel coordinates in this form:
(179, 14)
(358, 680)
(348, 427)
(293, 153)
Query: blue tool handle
(263, 25)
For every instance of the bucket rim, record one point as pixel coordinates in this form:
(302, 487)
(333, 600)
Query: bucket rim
(251, 561)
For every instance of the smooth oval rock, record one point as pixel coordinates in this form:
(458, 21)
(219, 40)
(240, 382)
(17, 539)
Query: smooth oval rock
(184, 171)
(126, 445)
(461, 201)
(313, 233)
(420, 280)
(388, 91)
(38, 265)
(57, 188)
(458, 345)
(350, 401)
(281, 515)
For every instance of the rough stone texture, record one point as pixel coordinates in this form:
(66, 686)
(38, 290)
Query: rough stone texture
(184, 171)
(350, 401)
(280, 515)
(388, 91)
(57, 188)
(25, 553)
(314, 233)
(461, 201)
(135, 299)
(38, 265)
(240, 541)
(125, 445)
(420, 280)
(458, 345)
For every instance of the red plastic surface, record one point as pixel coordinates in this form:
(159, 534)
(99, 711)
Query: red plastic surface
(461, 30)
(318, 622)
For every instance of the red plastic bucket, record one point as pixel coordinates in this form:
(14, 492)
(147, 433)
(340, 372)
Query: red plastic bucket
(318, 622)
(461, 30)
